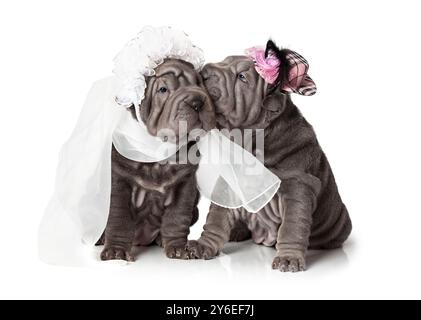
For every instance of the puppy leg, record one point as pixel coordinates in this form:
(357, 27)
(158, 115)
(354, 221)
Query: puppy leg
(101, 241)
(299, 199)
(217, 231)
(120, 229)
(177, 220)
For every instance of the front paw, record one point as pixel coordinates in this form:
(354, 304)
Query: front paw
(116, 253)
(290, 261)
(199, 250)
(177, 251)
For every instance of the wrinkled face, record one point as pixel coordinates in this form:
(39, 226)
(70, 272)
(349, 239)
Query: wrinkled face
(176, 97)
(236, 89)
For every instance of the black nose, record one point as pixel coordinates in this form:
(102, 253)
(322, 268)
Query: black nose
(196, 104)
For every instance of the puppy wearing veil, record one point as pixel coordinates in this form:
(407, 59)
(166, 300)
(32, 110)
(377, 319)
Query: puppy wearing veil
(127, 175)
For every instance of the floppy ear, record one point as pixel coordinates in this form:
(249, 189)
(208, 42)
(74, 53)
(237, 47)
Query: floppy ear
(146, 105)
(293, 69)
(274, 105)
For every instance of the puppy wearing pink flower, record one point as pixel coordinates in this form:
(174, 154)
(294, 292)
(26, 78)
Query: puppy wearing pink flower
(254, 92)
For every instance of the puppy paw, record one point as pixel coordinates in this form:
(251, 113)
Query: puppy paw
(116, 253)
(289, 262)
(199, 250)
(177, 252)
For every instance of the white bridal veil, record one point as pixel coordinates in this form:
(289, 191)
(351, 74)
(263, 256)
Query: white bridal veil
(77, 214)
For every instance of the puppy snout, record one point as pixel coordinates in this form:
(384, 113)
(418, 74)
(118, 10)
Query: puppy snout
(215, 93)
(196, 104)
(211, 78)
(209, 73)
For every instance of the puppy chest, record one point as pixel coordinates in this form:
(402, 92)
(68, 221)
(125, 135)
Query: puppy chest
(145, 201)
(148, 207)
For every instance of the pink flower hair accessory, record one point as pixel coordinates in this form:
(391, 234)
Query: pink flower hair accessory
(266, 67)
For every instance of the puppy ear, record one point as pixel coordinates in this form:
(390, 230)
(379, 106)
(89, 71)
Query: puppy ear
(293, 70)
(274, 104)
(146, 105)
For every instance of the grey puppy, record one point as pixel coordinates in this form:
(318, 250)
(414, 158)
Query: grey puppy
(158, 201)
(307, 211)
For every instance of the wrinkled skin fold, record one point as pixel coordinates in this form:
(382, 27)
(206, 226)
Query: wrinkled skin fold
(157, 202)
(307, 211)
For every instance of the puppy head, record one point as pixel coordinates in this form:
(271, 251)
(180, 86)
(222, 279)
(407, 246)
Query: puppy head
(244, 97)
(176, 96)
(236, 89)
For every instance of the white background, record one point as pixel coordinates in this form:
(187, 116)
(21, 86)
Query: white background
(365, 59)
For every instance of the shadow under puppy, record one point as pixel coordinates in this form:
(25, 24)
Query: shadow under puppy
(157, 202)
(307, 211)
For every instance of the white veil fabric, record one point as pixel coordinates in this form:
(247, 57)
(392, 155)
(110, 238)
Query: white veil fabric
(232, 177)
(228, 175)
(77, 214)
(76, 217)
(144, 53)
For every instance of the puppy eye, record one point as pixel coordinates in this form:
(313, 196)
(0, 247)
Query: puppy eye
(242, 77)
(162, 90)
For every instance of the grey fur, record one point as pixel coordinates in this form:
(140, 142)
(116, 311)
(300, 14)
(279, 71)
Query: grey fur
(307, 211)
(157, 202)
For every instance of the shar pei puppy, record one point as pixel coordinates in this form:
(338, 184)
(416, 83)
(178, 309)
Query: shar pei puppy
(157, 202)
(307, 211)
